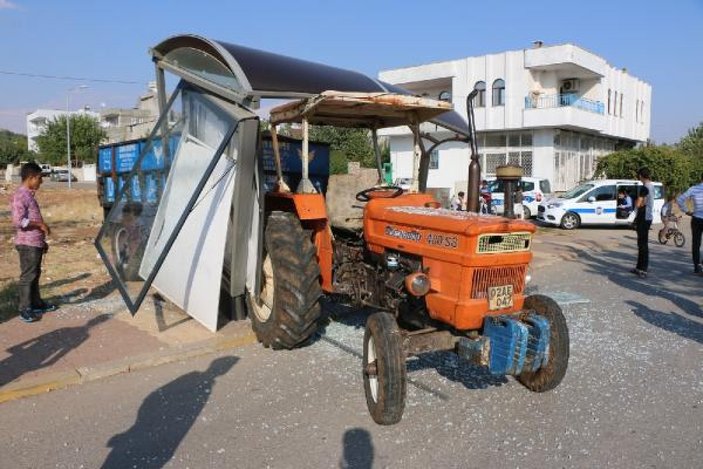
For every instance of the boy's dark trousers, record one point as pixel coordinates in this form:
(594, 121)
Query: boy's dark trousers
(642, 227)
(696, 233)
(30, 270)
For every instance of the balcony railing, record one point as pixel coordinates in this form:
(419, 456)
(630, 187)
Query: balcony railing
(561, 100)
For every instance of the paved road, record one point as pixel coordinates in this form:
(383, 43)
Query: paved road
(633, 396)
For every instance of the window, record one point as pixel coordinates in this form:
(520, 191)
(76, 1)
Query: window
(609, 93)
(514, 140)
(495, 140)
(658, 192)
(498, 93)
(434, 159)
(615, 104)
(526, 140)
(601, 194)
(621, 97)
(445, 96)
(493, 160)
(480, 99)
(545, 187)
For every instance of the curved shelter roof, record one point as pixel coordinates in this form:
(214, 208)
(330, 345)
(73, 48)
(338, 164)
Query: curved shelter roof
(255, 73)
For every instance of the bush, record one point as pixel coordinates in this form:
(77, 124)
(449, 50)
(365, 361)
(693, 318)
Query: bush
(667, 164)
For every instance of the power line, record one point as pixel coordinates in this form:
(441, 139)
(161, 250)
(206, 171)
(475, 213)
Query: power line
(57, 77)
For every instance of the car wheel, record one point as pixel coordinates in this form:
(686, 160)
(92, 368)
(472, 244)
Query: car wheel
(570, 221)
(526, 214)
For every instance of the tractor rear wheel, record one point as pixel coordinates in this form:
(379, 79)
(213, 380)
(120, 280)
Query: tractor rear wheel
(550, 375)
(384, 370)
(286, 310)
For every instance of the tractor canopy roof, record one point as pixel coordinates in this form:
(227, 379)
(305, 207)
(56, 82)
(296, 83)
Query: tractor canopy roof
(368, 110)
(244, 74)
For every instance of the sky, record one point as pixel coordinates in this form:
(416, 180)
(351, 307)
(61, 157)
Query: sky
(105, 43)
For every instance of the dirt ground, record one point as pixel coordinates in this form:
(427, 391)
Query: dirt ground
(72, 270)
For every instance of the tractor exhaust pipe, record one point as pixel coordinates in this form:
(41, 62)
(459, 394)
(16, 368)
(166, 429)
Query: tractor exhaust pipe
(472, 204)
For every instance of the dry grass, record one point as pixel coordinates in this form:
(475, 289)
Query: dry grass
(71, 269)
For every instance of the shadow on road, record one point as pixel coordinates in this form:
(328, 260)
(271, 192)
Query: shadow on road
(44, 350)
(672, 322)
(165, 418)
(358, 449)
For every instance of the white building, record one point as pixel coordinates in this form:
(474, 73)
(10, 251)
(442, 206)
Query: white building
(552, 109)
(37, 121)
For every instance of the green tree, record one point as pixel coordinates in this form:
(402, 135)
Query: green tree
(667, 164)
(345, 145)
(692, 147)
(86, 135)
(13, 148)
(692, 143)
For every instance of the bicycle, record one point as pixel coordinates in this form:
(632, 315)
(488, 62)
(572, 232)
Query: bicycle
(671, 230)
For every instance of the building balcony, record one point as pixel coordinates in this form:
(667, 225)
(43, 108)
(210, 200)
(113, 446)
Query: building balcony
(565, 111)
(567, 99)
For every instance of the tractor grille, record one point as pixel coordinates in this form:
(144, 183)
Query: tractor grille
(496, 276)
(503, 242)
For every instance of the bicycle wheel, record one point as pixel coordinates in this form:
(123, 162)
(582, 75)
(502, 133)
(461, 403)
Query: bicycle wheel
(679, 239)
(663, 236)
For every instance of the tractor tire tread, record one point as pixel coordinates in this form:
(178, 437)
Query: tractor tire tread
(296, 307)
(549, 376)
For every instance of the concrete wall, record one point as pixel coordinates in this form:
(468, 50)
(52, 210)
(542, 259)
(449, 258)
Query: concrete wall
(342, 207)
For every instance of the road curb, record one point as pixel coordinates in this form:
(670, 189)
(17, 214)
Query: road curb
(47, 382)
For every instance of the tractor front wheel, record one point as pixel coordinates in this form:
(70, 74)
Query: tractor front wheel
(384, 370)
(550, 375)
(286, 310)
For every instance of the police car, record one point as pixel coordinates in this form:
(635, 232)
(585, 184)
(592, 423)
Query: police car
(595, 203)
(534, 191)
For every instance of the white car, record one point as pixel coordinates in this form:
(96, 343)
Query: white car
(594, 203)
(534, 191)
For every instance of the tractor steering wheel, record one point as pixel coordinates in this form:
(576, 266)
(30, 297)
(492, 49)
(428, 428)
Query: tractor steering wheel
(368, 194)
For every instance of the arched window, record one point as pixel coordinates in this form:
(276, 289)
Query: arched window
(445, 96)
(480, 99)
(498, 93)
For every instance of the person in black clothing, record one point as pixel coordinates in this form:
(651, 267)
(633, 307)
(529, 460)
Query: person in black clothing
(643, 220)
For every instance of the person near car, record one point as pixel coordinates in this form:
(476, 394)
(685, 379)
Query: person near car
(458, 202)
(30, 242)
(518, 199)
(485, 193)
(624, 207)
(643, 221)
(694, 195)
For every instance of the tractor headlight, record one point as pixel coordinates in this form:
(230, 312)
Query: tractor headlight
(417, 283)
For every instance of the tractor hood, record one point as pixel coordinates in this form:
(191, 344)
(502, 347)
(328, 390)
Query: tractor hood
(410, 211)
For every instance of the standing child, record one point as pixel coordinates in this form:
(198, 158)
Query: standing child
(667, 213)
(30, 242)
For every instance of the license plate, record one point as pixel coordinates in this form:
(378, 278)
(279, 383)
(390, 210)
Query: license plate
(500, 297)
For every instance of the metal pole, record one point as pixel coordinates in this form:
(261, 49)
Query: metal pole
(68, 136)
(377, 153)
(68, 128)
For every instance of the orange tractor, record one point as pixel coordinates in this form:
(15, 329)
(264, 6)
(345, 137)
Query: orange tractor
(201, 223)
(438, 279)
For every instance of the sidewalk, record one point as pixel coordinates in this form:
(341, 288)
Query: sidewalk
(83, 342)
